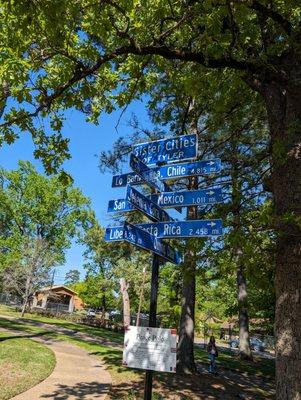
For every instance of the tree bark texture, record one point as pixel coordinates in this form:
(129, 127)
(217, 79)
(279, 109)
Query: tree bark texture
(185, 362)
(243, 315)
(23, 308)
(126, 303)
(26, 294)
(284, 113)
(241, 284)
(141, 297)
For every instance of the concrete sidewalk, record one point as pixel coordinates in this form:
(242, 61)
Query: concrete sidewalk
(65, 331)
(76, 376)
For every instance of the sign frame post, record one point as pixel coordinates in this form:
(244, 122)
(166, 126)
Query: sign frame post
(150, 236)
(148, 381)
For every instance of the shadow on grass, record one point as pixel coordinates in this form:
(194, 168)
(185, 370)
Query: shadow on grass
(29, 331)
(29, 336)
(107, 336)
(259, 367)
(194, 387)
(113, 359)
(228, 385)
(17, 326)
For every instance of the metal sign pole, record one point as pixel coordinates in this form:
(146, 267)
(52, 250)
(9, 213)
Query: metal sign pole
(148, 382)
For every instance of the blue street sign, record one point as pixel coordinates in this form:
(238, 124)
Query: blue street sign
(173, 229)
(173, 199)
(167, 150)
(145, 205)
(120, 205)
(143, 239)
(174, 171)
(185, 229)
(188, 198)
(148, 175)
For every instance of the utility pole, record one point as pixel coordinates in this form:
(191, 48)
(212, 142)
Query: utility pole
(148, 382)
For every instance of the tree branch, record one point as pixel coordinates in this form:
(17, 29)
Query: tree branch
(169, 53)
(274, 15)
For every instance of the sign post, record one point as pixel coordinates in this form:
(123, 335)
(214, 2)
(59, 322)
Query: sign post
(148, 382)
(147, 161)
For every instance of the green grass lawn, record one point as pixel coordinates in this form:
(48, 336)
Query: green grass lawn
(226, 360)
(260, 366)
(23, 364)
(102, 333)
(127, 381)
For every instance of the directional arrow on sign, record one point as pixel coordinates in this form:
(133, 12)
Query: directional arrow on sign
(212, 224)
(173, 199)
(188, 198)
(175, 229)
(185, 229)
(171, 171)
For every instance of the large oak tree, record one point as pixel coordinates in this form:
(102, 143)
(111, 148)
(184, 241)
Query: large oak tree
(93, 55)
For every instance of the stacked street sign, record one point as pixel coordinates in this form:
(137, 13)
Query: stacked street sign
(171, 200)
(170, 172)
(150, 236)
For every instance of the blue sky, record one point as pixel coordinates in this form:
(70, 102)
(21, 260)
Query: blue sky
(86, 142)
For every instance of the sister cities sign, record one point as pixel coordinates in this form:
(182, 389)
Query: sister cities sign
(167, 150)
(150, 348)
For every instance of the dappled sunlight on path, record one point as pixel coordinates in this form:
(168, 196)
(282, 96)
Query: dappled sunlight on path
(77, 376)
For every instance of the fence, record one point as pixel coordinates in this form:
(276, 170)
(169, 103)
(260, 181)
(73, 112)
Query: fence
(57, 307)
(15, 301)
(10, 300)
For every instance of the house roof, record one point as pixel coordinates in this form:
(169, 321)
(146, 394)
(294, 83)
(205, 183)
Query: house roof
(55, 287)
(227, 325)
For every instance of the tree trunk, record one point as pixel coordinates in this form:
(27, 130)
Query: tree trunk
(185, 361)
(27, 293)
(141, 297)
(284, 114)
(103, 308)
(243, 316)
(24, 308)
(242, 295)
(126, 303)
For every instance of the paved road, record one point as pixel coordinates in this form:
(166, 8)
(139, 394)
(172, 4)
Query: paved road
(76, 376)
(65, 331)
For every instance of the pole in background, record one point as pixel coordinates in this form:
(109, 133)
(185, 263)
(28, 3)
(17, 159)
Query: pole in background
(141, 297)
(126, 302)
(148, 382)
(52, 279)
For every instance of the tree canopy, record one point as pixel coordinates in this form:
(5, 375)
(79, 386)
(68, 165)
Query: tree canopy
(96, 56)
(33, 206)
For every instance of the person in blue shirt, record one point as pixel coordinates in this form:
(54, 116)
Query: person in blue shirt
(212, 354)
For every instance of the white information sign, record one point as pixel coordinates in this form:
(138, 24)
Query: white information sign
(150, 348)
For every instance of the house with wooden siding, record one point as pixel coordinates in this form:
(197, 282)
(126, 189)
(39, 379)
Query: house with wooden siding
(57, 299)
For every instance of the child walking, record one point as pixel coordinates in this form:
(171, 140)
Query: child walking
(212, 354)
